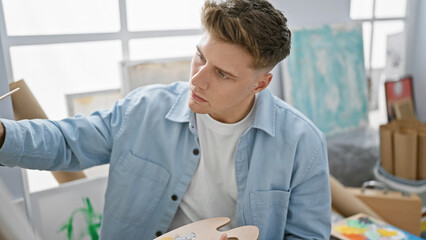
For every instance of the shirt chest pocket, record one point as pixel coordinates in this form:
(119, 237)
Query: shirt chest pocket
(135, 188)
(269, 211)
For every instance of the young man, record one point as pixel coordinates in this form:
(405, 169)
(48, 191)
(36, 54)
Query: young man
(220, 145)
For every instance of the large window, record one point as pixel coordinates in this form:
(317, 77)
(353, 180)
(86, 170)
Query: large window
(76, 46)
(379, 18)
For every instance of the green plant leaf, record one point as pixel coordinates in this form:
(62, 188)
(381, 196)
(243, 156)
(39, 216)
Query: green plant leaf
(93, 221)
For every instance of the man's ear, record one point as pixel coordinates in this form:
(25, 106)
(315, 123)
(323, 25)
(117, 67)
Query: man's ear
(262, 82)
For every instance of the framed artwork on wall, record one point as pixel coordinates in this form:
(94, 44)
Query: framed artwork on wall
(400, 99)
(86, 103)
(157, 71)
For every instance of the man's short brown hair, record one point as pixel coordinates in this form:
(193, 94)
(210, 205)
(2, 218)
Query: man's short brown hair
(253, 24)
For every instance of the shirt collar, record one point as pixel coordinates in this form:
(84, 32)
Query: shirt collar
(180, 111)
(264, 112)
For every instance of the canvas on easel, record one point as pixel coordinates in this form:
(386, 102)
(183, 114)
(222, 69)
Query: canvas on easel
(324, 77)
(13, 222)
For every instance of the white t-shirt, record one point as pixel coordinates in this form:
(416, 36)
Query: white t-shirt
(213, 188)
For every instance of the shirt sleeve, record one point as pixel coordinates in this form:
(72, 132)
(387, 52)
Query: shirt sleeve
(309, 213)
(70, 144)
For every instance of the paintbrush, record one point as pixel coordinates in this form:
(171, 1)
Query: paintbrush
(9, 93)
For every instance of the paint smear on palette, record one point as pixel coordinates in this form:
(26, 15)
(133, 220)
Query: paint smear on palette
(366, 228)
(189, 236)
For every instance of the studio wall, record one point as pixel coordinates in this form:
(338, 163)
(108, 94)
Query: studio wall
(418, 68)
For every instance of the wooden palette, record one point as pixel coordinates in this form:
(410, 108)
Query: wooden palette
(207, 229)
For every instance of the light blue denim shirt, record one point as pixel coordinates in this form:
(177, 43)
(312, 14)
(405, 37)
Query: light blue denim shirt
(150, 141)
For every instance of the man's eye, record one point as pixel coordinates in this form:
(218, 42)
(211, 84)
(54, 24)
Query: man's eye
(201, 57)
(223, 75)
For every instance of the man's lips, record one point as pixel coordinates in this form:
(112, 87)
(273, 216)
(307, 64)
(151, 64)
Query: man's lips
(197, 98)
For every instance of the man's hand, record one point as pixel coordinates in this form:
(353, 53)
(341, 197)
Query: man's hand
(2, 134)
(223, 237)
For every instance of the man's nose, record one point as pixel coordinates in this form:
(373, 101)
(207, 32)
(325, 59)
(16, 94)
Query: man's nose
(201, 79)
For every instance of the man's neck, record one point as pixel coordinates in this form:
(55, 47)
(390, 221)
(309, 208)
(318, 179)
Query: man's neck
(232, 117)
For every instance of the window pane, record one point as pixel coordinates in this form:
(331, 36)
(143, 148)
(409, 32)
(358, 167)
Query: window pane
(366, 37)
(390, 8)
(44, 17)
(152, 15)
(51, 71)
(381, 30)
(361, 9)
(151, 48)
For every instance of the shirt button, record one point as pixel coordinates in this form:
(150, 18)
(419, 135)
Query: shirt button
(174, 197)
(196, 151)
(158, 233)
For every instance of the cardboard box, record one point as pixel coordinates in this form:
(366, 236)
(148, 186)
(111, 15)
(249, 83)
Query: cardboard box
(402, 211)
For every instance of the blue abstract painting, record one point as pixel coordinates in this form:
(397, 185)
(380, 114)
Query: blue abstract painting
(325, 77)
